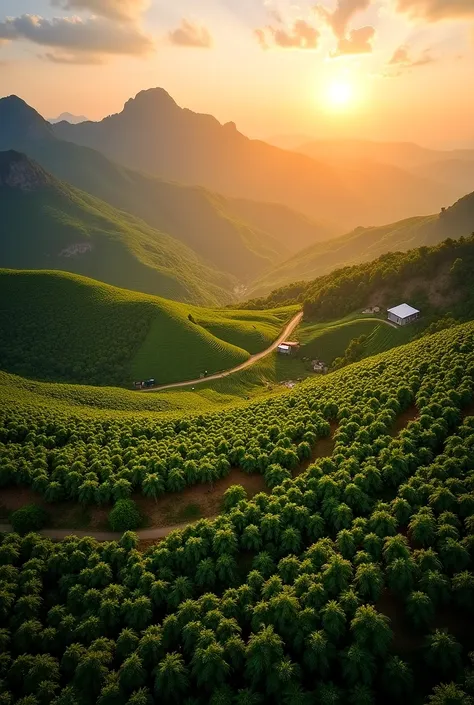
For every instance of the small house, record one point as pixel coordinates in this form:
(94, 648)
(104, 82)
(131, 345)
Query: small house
(403, 315)
(284, 349)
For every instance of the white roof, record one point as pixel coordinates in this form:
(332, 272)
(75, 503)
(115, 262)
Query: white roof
(283, 347)
(403, 311)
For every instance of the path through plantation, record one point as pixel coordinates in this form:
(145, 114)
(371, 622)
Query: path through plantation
(287, 331)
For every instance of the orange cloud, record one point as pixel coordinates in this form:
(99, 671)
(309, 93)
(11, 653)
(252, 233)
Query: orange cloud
(300, 36)
(359, 41)
(191, 35)
(435, 10)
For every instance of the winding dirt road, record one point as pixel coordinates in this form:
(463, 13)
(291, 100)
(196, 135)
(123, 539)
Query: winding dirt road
(287, 331)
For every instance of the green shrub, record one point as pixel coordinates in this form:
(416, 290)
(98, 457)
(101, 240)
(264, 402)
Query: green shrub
(29, 518)
(124, 516)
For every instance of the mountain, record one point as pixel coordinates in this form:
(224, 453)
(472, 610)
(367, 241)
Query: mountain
(110, 336)
(454, 169)
(436, 280)
(364, 244)
(240, 238)
(47, 224)
(68, 117)
(155, 135)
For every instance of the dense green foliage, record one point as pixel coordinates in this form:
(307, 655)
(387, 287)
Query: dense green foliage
(366, 244)
(108, 336)
(28, 518)
(434, 279)
(124, 516)
(283, 597)
(48, 224)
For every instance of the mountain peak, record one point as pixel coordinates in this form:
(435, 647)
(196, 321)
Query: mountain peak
(19, 121)
(150, 99)
(17, 171)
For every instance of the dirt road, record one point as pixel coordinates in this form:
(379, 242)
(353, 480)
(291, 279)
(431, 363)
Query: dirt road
(287, 331)
(60, 534)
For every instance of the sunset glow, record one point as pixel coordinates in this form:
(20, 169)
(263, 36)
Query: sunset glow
(340, 95)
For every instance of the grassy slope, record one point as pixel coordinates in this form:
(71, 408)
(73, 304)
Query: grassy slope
(41, 225)
(365, 244)
(108, 336)
(361, 245)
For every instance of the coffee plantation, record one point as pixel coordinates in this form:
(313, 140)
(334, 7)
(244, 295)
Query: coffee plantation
(351, 582)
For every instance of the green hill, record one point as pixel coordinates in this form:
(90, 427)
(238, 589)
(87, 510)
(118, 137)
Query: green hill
(58, 326)
(242, 238)
(365, 244)
(47, 224)
(436, 280)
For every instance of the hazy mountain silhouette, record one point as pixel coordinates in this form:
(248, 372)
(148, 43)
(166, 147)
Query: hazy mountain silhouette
(365, 244)
(47, 224)
(155, 135)
(68, 117)
(240, 237)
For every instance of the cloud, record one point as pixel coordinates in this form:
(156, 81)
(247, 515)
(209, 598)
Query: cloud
(435, 10)
(402, 59)
(342, 15)
(117, 10)
(191, 35)
(76, 36)
(359, 41)
(72, 59)
(300, 36)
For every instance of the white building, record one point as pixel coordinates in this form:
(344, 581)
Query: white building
(403, 315)
(284, 349)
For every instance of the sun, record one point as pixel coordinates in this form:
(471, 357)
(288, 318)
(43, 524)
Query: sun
(339, 94)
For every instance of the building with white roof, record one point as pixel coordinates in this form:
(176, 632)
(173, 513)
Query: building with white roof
(403, 315)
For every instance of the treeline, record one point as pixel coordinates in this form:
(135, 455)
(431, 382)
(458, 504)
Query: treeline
(283, 598)
(438, 278)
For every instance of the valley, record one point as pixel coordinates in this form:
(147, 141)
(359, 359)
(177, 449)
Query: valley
(236, 375)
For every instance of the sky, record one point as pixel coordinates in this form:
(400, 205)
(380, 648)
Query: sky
(396, 70)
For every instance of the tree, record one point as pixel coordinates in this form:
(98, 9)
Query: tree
(153, 485)
(463, 589)
(369, 581)
(29, 518)
(420, 609)
(263, 651)
(443, 652)
(449, 694)
(397, 679)
(171, 680)
(333, 620)
(371, 629)
(318, 653)
(124, 516)
(132, 675)
(209, 666)
(358, 665)
(232, 496)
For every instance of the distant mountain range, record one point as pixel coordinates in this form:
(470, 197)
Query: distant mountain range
(242, 238)
(453, 168)
(47, 224)
(68, 117)
(153, 134)
(365, 244)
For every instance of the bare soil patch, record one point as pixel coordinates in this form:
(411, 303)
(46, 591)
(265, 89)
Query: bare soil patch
(404, 419)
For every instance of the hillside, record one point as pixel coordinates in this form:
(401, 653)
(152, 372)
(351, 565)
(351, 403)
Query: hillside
(240, 238)
(155, 135)
(364, 244)
(47, 224)
(436, 280)
(110, 336)
(338, 571)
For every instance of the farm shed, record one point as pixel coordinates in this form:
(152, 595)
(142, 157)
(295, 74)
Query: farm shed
(403, 315)
(284, 349)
